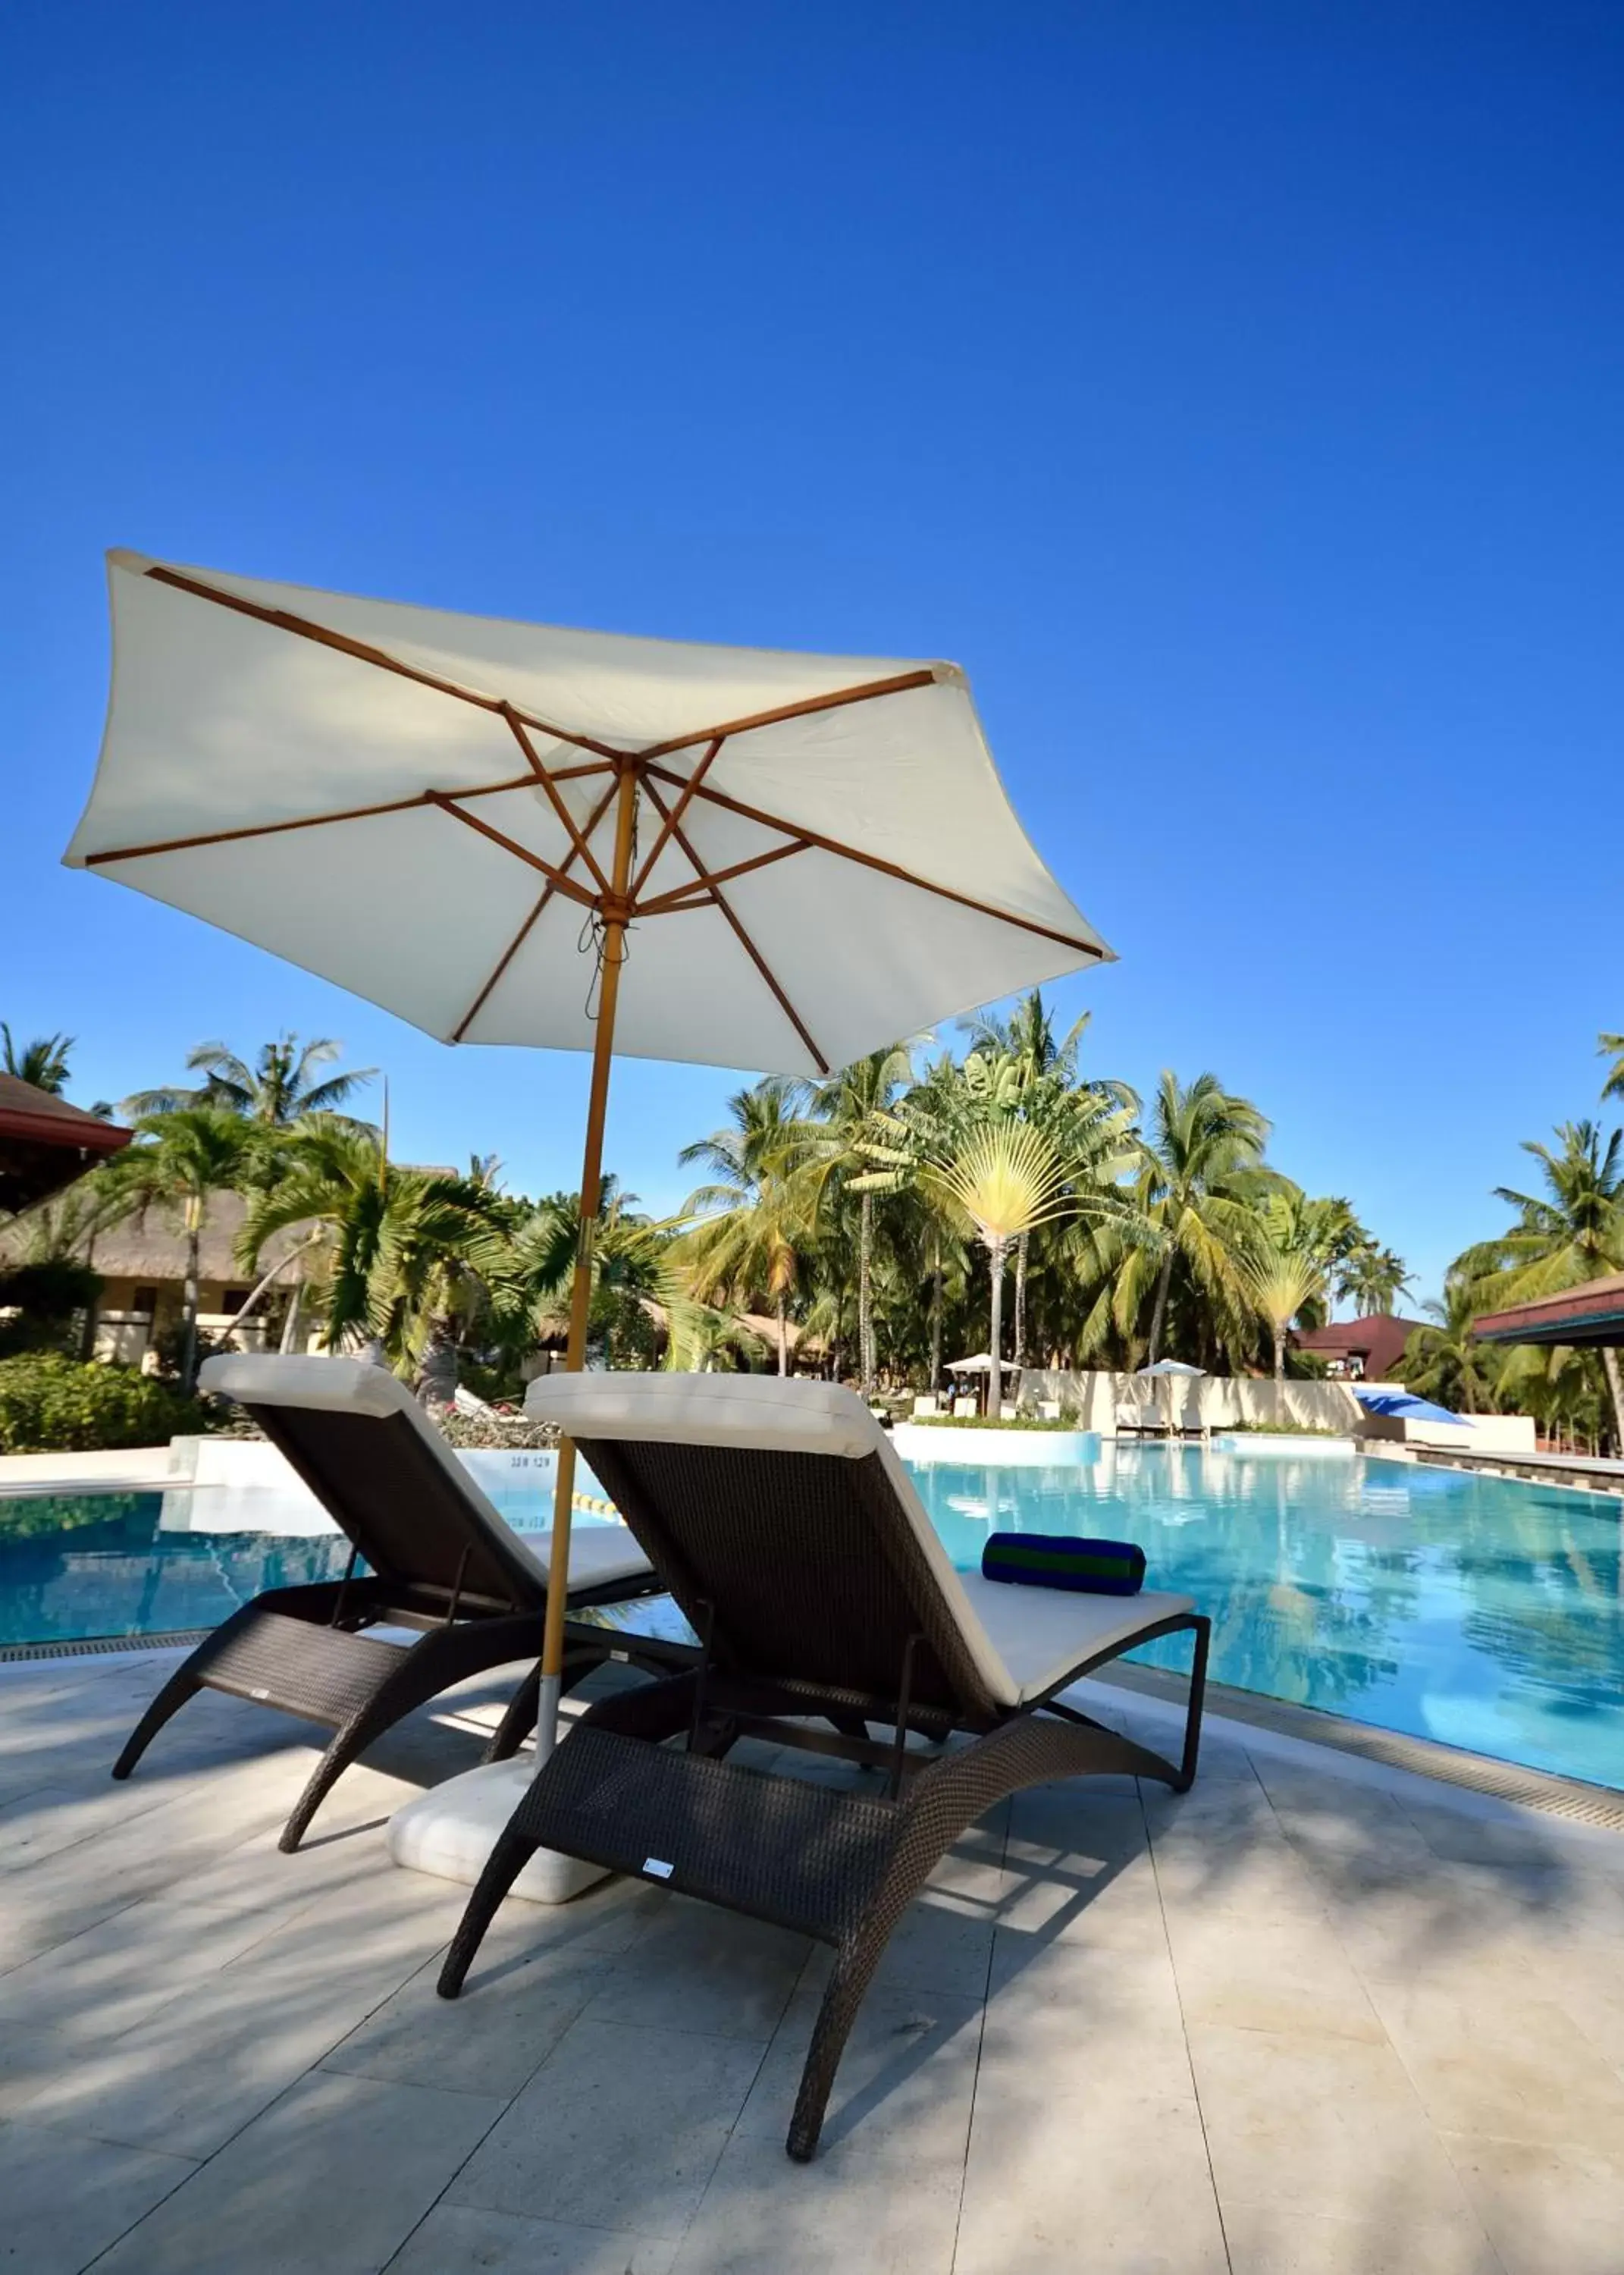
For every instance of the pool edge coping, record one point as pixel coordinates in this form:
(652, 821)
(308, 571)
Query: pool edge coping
(1547, 1791)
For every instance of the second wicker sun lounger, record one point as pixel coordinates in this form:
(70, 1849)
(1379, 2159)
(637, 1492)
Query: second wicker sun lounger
(440, 1563)
(782, 1522)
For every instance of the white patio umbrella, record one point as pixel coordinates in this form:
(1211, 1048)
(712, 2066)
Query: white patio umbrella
(1170, 1369)
(981, 1363)
(476, 824)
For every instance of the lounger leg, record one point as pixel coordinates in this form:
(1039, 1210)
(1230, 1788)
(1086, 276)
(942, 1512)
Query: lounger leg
(853, 1968)
(354, 1738)
(507, 1860)
(181, 1685)
(1197, 1701)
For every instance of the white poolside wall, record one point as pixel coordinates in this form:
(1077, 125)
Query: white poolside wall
(1218, 1401)
(1090, 1401)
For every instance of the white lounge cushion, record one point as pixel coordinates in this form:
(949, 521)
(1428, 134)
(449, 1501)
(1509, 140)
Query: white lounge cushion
(599, 1554)
(788, 1414)
(1040, 1634)
(1014, 1635)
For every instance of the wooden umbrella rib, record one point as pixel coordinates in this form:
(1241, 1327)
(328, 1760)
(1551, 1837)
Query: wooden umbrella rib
(304, 628)
(526, 929)
(885, 868)
(668, 826)
(257, 830)
(745, 940)
(698, 891)
(835, 701)
(555, 877)
(301, 821)
(578, 842)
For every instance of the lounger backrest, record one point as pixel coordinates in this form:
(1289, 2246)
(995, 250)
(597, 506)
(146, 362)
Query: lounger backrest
(779, 1511)
(384, 1474)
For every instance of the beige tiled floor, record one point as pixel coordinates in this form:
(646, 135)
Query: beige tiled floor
(1309, 2020)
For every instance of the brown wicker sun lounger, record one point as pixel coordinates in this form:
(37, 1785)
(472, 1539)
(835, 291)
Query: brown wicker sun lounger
(440, 1559)
(781, 1520)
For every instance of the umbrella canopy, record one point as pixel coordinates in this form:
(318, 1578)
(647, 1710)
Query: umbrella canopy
(981, 1363)
(509, 833)
(423, 807)
(1404, 1406)
(1170, 1366)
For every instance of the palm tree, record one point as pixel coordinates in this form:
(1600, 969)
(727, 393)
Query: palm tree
(754, 1216)
(830, 1149)
(1570, 1232)
(1376, 1280)
(1005, 1179)
(1444, 1360)
(405, 1245)
(1613, 1046)
(278, 1089)
(1279, 1281)
(1197, 1193)
(43, 1062)
(181, 1160)
(1027, 1036)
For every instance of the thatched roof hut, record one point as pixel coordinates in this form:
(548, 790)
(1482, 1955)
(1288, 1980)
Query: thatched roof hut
(152, 1246)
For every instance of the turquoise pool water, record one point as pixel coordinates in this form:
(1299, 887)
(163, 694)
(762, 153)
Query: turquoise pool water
(1478, 1611)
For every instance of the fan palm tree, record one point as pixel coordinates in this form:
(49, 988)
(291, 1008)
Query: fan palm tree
(181, 1160)
(1003, 1180)
(43, 1062)
(1571, 1231)
(278, 1089)
(1279, 1281)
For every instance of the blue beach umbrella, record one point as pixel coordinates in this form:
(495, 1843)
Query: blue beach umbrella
(1404, 1406)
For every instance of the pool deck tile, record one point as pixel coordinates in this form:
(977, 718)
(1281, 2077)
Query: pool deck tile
(1312, 2019)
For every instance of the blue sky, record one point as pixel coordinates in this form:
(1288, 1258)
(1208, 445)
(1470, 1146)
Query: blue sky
(1236, 390)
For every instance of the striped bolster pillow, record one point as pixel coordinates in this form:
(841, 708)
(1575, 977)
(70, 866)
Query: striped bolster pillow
(1042, 1560)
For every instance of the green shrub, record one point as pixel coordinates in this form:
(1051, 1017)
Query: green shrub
(50, 1404)
(47, 1303)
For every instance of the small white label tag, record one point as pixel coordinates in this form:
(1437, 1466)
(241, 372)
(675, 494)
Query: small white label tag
(657, 1867)
(259, 1694)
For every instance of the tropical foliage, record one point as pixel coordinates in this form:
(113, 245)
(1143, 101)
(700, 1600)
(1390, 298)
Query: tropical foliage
(51, 1403)
(43, 1061)
(876, 1224)
(278, 1088)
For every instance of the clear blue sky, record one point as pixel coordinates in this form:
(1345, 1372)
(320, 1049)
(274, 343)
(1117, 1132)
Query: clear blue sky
(1238, 391)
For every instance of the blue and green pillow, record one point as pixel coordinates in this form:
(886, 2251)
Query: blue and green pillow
(1042, 1560)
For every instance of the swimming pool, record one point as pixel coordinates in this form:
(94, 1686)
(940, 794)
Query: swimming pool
(1479, 1611)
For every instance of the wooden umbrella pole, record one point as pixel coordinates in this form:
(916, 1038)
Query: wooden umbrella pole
(616, 910)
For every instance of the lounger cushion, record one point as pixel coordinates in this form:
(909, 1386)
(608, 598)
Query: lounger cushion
(788, 1414)
(1040, 1635)
(354, 1387)
(1020, 1640)
(599, 1554)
